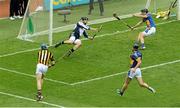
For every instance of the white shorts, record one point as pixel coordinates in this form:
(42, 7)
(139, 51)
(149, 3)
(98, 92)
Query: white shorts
(137, 73)
(41, 69)
(74, 40)
(150, 31)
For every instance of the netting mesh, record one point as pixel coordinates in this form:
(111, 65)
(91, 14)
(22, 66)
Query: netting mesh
(36, 20)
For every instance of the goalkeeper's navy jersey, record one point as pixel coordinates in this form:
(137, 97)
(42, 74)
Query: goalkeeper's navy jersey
(134, 57)
(80, 29)
(149, 21)
(44, 57)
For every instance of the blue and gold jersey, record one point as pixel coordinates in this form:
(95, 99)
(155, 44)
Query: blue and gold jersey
(149, 21)
(134, 58)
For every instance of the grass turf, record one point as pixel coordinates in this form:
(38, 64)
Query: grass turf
(103, 56)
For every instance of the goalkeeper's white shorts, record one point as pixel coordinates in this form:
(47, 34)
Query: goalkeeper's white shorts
(74, 40)
(41, 68)
(137, 73)
(150, 31)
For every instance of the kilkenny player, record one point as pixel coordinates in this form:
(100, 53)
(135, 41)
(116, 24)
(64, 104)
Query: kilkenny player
(79, 30)
(45, 61)
(135, 71)
(150, 29)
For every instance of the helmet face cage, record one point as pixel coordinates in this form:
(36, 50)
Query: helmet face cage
(44, 47)
(84, 18)
(135, 47)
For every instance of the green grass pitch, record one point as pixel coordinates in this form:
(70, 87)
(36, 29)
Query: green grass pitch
(104, 56)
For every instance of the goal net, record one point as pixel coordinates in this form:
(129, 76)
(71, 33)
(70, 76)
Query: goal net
(36, 21)
(44, 19)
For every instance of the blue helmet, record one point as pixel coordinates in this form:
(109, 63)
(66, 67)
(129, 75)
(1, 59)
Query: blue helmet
(44, 47)
(144, 10)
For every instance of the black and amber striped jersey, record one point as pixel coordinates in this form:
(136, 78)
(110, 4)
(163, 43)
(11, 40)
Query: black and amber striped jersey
(45, 57)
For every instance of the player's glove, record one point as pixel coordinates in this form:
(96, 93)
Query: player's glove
(52, 64)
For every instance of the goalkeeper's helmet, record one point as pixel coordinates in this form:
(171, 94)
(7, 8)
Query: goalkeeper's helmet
(144, 11)
(84, 18)
(44, 47)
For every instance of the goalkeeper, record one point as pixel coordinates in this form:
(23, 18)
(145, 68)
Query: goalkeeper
(79, 30)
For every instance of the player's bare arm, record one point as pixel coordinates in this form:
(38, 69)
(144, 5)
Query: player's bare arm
(140, 15)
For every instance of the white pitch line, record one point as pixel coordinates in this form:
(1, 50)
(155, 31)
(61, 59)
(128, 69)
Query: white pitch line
(29, 99)
(19, 52)
(108, 76)
(99, 36)
(33, 76)
(90, 80)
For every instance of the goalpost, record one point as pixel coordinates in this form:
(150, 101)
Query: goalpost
(51, 23)
(178, 9)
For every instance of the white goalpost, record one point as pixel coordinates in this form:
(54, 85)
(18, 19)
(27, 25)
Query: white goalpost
(148, 4)
(178, 9)
(51, 23)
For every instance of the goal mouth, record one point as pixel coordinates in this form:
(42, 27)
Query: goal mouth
(46, 19)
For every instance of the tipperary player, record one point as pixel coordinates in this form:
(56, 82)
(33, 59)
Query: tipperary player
(45, 61)
(135, 71)
(79, 30)
(151, 27)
